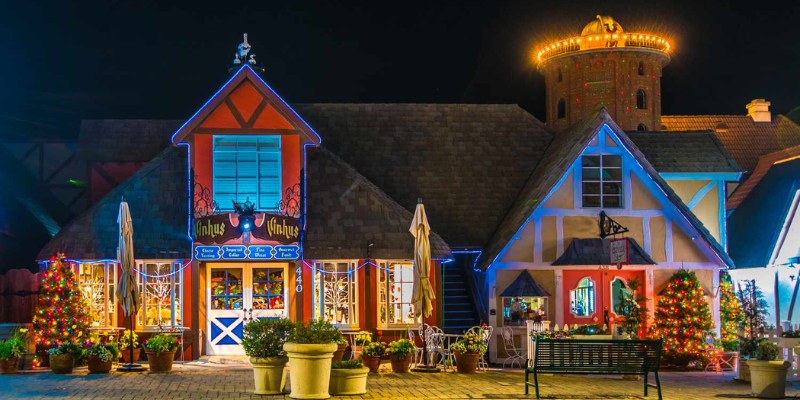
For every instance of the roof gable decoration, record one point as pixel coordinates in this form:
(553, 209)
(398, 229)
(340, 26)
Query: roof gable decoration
(524, 286)
(246, 102)
(595, 136)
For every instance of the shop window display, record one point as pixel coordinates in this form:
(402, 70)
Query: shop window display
(582, 298)
(619, 292)
(97, 283)
(517, 310)
(395, 288)
(160, 285)
(226, 289)
(336, 293)
(268, 289)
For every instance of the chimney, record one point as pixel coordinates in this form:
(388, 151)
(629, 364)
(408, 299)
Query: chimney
(758, 110)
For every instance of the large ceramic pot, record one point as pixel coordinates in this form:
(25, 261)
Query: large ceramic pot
(348, 382)
(62, 363)
(96, 365)
(9, 365)
(160, 362)
(269, 374)
(338, 355)
(371, 362)
(310, 369)
(401, 364)
(126, 355)
(743, 374)
(768, 378)
(467, 363)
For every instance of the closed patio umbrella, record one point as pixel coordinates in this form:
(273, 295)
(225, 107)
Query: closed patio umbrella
(422, 296)
(127, 291)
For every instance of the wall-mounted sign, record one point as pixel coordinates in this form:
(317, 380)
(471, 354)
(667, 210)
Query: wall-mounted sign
(252, 252)
(219, 228)
(618, 251)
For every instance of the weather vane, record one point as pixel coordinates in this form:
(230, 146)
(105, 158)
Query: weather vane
(241, 53)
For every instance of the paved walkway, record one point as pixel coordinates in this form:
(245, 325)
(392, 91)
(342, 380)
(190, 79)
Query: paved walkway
(233, 380)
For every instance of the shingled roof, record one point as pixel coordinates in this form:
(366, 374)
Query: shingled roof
(560, 155)
(762, 168)
(157, 198)
(744, 139)
(124, 140)
(692, 151)
(346, 212)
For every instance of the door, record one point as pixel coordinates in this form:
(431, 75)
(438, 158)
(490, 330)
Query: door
(238, 293)
(590, 295)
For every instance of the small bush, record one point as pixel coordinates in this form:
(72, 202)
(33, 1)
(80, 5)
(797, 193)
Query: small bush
(400, 348)
(265, 337)
(347, 364)
(374, 349)
(316, 332)
(767, 351)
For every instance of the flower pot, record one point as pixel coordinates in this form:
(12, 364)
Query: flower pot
(730, 361)
(62, 363)
(371, 362)
(338, 355)
(126, 355)
(467, 363)
(269, 374)
(310, 366)
(9, 365)
(768, 378)
(348, 382)
(96, 365)
(401, 364)
(160, 362)
(743, 374)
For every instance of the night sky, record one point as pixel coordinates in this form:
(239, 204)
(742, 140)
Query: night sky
(63, 61)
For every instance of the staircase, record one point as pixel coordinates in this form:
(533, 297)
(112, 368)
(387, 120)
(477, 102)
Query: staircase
(457, 305)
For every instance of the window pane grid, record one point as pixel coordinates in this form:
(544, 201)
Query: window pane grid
(601, 181)
(268, 289)
(247, 168)
(160, 288)
(394, 296)
(336, 292)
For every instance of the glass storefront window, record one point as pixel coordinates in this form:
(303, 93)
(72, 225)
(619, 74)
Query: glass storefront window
(582, 298)
(268, 288)
(395, 286)
(98, 281)
(517, 310)
(336, 293)
(160, 285)
(226, 289)
(619, 294)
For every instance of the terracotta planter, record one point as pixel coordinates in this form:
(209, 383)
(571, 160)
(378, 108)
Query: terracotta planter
(62, 363)
(269, 374)
(467, 363)
(126, 355)
(96, 365)
(401, 365)
(338, 355)
(160, 362)
(355, 351)
(371, 362)
(768, 378)
(732, 360)
(310, 369)
(9, 365)
(348, 382)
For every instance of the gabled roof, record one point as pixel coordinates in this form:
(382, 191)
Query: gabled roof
(744, 139)
(524, 286)
(595, 251)
(689, 151)
(247, 114)
(559, 157)
(765, 162)
(346, 212)
(755, 225)
(101, 140)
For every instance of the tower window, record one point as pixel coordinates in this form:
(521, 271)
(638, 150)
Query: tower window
(641, 99)
(641, 68)
(562, 109)
(560, 75)
(641, 128)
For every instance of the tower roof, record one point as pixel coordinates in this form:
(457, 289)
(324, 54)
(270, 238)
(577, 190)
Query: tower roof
(601, 25)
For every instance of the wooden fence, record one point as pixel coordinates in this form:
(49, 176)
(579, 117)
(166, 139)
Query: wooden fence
(19, 293)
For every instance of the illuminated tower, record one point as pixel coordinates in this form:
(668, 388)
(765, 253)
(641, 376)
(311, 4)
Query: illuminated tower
(604, 66)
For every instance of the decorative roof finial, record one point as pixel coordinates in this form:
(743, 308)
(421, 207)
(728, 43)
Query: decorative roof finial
(242, 52)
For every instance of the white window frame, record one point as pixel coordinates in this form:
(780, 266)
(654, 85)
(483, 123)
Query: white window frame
(601, 181)
(174, 279)
(318, 292)
(108, 286)
(382, 300)
(593, 297)
(228, 206)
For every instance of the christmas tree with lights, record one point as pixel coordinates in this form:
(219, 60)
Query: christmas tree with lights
(61, 314)
(682, 319)
(731, 314)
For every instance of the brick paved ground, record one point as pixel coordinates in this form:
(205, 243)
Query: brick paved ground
(214, 381)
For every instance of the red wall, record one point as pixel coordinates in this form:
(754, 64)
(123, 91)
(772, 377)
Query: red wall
(602, 280)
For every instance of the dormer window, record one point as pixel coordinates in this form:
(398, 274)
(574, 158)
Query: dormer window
(601, 181)
(247, 168)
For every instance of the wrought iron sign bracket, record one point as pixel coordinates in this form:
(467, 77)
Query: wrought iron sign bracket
(609, 227)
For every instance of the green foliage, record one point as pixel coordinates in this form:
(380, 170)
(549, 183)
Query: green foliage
(596, 329)
(753, 322)
(400, 348)
(265, 337)
(104, 351)
(731, 317)
(315, 332)
(635, 315)
(362, 338)
(72, 349)
(62, 312)
(125, 341)
(470, 343)
(15, 345)
(767, 351)
(160, 343)
(347, 364)
(374, 349)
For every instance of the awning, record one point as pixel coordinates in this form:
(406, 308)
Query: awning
(594, 251)
(524, 286)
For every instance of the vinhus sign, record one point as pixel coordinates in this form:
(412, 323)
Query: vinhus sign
(222, 228)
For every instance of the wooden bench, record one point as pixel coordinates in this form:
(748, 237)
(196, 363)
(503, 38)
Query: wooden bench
(601, 357)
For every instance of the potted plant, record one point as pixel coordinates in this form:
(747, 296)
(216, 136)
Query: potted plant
(752, 323)
(360, 340)
(263, 341)
(768, 372)
(64, 357)
(125, 347)
(310, 350)
(371, 355)
(400, 352)
(338, 355)
(160, 350)
(11, 351)
(100, 356)
(348, 378)
(467, 351)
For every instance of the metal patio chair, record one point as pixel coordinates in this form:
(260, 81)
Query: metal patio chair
(514, 353)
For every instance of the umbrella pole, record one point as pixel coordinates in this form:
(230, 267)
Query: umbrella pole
(131, 366)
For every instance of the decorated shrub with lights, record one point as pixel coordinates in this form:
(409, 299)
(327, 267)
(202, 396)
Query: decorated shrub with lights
(682, 319)
(731, 314)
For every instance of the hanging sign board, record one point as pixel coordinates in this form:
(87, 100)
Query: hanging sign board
(219, 228)
(252, 252)
(618, 251)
